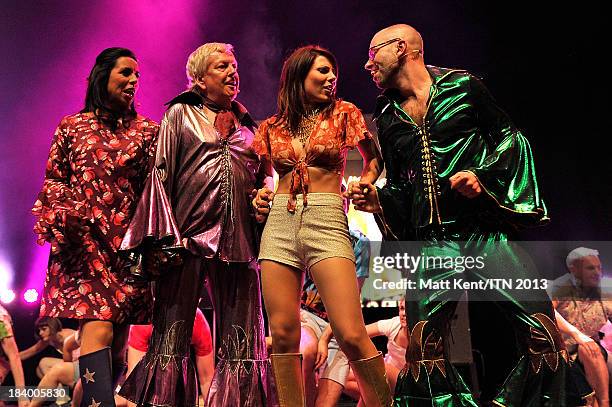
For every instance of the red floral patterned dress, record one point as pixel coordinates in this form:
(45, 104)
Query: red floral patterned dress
(97, 175)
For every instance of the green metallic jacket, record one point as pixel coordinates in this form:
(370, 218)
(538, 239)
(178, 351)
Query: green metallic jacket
(463, 130)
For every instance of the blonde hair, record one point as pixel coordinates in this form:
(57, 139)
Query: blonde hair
(197, 63)
(578, 253)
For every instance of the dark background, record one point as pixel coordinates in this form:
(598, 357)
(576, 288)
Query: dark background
(543, 61)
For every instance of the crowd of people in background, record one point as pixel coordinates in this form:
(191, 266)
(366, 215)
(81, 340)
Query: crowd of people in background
(581, 298)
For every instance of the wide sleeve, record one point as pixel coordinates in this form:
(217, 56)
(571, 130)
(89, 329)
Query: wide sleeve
(261, 141)
(394, 221)
(355, 127)
(151, 145)
(507, 175)
(153, 222)
(395, 196)
(58, 196)
(150, 131)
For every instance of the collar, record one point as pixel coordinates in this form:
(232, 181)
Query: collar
(390, 95)
(195, 99)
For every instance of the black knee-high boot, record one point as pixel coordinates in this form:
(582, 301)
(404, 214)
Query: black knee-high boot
(97, 379)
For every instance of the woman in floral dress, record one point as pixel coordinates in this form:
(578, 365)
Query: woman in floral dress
(94, 176)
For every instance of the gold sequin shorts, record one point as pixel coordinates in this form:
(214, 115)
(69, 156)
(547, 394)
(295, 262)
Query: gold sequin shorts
(311, 234)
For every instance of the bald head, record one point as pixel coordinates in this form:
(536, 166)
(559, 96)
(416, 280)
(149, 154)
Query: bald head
(404, 31)
(395, 59)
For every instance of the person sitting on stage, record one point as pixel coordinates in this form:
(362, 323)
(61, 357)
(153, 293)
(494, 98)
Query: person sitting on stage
(49, 332)
(578, 297)
(65, 372)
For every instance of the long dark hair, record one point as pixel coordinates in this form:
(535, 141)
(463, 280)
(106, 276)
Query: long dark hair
(291, 95)
(96, 97)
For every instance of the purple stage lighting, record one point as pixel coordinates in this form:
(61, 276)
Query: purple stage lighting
(7, 296)
(31, 295)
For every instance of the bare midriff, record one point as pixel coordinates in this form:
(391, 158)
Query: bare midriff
(321, 180)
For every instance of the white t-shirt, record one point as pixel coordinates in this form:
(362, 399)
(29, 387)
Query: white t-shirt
(396, 354)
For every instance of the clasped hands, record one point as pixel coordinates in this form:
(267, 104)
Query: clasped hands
(364, 197)
(262, 199)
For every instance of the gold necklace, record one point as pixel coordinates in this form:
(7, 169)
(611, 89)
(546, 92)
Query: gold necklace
(307, 125)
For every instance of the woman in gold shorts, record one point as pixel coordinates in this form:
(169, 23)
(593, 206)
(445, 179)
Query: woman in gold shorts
(306, 230)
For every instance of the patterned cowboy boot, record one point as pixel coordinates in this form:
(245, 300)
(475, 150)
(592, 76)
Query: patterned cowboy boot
(287, 368)
(96, 378)
(372, 380)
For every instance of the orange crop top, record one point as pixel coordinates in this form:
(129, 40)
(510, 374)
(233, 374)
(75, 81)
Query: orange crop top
(326, 147)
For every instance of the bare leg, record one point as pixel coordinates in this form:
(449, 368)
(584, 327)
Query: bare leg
(335, 278)
(77, 394)
(122, 401)
(60, 373)
(95, 335)
(308, 349)
(282, 286)
(4, 370)
(281, 291)
(45, 366)
(337, 285)
(329, 393)
(392, 373)
(351, 388)
(596, 372)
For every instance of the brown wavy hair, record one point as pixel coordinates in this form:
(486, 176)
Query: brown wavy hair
(291, 95)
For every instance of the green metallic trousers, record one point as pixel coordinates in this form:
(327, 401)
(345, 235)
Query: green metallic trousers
(428, 379)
